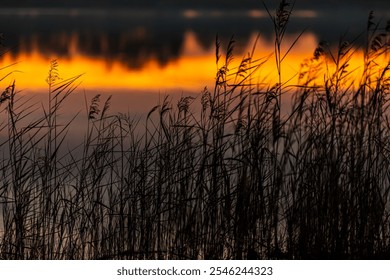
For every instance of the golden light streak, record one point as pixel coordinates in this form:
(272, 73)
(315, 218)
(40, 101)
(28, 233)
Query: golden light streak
(193, 70)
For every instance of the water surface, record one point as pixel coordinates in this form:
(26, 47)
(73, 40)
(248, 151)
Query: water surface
(139, 51)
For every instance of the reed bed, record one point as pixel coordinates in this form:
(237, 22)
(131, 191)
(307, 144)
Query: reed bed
(240, 178)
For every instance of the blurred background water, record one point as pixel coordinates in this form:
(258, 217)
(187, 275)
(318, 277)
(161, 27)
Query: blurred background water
(139, 50)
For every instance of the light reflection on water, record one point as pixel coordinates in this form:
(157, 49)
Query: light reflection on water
(194, 68)
(170, 52)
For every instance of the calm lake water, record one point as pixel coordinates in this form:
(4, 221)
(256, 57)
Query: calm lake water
(138, 54)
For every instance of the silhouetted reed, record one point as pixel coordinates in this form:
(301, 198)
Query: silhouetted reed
(241, 178)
